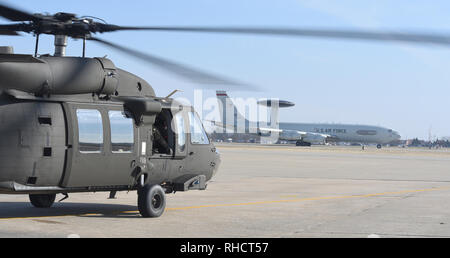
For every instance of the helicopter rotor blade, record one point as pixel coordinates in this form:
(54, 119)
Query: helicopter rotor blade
(14, 14)
(191, 74)
(12, 29)
(417, 38)
(7, 30)
(8, 33)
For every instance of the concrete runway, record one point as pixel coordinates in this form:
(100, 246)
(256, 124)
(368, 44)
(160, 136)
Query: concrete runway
(269, 191)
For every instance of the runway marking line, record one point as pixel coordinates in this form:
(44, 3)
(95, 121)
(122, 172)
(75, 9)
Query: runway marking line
(310, 199)
(248, 203)
(289, 196)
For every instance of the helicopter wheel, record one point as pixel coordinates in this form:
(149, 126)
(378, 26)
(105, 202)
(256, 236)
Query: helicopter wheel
(151, 201)
(42, 200)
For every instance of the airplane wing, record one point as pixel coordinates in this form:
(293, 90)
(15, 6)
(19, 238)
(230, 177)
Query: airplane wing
(288, 135)
(221, 125)
(256, 130)
(295, 135)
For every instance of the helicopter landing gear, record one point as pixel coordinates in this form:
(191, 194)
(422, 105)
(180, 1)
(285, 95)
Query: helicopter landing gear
(151, 201)
(42, 200)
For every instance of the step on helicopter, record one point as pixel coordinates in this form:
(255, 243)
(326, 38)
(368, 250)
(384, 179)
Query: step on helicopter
(81, 124)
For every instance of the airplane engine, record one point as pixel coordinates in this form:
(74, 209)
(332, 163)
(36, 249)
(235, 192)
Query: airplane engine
(315, 138)
(293, 135)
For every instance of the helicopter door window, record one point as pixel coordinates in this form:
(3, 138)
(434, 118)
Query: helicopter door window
(162, 134)
(122, 132)
(198, 134)
(181, 136)
(90, 131)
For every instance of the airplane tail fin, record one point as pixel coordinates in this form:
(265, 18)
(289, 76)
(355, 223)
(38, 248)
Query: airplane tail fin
(229, 113)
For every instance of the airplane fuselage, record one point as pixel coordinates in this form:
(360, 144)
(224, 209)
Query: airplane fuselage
(347, 132)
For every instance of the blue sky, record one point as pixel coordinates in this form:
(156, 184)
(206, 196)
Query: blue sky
(404, 87)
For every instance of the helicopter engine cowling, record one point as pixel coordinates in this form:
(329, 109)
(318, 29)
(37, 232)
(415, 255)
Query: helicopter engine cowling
(58, 75)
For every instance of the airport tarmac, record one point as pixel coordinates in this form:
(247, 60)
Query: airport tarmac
(269, 191)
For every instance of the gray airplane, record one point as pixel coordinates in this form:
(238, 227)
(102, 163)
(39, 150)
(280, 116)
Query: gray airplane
(304, 134)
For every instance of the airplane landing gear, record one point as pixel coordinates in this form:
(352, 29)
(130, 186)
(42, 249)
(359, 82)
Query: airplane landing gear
(302, 143)
(42, 200)
(379, 146)
(151, 201)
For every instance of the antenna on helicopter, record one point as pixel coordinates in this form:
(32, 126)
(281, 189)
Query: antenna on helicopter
(172, 93)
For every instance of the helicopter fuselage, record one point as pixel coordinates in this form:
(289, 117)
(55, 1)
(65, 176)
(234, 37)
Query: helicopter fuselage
(72, 124)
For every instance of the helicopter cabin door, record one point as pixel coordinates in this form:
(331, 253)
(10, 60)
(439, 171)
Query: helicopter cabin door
(101, 149)
(200, 150)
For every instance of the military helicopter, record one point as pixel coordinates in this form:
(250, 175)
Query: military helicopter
(80, 124)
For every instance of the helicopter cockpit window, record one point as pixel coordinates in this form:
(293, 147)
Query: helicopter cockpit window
(198, 134)
(90, 131)
(181, 136)
(122, 132)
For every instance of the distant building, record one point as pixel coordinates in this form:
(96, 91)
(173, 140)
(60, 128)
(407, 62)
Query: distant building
(415, 142)
(444, 142)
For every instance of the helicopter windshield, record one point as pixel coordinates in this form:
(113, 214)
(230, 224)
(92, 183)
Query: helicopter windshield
(198, 134)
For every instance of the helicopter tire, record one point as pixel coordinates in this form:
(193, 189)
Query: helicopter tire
(42, 200)
(151, 201)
